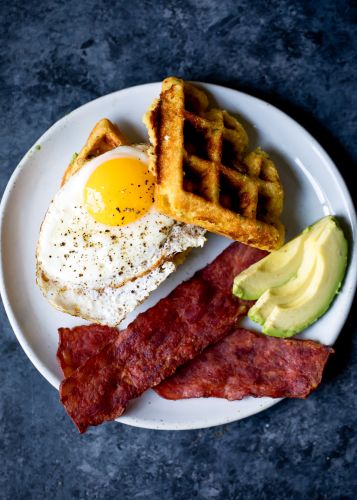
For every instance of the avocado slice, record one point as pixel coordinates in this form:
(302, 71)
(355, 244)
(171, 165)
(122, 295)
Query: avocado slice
(286, 292)
(276, 268)
(288, 309)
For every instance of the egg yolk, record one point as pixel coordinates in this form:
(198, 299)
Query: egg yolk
(119, 191)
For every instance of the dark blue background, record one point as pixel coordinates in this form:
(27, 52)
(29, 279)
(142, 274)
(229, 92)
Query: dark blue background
(300, 56)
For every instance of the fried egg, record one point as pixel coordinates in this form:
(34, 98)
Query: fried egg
(103, 247)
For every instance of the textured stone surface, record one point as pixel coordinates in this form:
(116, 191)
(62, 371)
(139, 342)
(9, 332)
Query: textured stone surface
(55, 56)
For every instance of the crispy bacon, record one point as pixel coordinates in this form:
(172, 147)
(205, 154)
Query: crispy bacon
(80, 343)
(242, 364)
(196, 314)
(250, 364)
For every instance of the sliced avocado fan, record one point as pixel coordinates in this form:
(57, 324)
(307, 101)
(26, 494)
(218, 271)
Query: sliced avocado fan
(276, 268)
(301, 290)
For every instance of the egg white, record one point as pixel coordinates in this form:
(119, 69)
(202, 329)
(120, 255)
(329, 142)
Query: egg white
(101, 272)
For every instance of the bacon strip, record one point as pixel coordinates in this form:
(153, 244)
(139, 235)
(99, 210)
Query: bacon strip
(242, 364)
(80, 343)
(250, 364)
(196, 314)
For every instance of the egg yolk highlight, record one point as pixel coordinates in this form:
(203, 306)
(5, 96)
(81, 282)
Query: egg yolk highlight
(119, 191)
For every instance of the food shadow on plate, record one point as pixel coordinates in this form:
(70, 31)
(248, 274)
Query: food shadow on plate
(342, 359)
(344, 343)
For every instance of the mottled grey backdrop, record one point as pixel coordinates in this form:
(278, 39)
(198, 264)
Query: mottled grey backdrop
(300, 56)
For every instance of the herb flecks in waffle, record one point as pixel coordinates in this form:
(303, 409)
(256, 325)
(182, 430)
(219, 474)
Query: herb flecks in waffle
(204, 174)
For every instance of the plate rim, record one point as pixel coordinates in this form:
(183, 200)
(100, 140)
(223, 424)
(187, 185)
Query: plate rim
(41, 367)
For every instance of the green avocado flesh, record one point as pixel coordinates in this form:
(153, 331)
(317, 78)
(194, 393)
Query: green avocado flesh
(313, 265)
(276, 268)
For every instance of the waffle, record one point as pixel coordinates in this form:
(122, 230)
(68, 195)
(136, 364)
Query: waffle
(104, 137)
(204, 175)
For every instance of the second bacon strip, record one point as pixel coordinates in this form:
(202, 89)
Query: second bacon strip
(195, 315)
(242, 364)
(250, 364)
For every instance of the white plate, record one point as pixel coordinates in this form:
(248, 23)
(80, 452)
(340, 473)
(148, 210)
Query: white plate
(313, 188)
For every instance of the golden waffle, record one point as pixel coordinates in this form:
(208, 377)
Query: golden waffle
(104, 137)
(204, 176)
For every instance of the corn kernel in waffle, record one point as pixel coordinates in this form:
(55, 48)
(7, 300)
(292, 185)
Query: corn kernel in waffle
(204, 174)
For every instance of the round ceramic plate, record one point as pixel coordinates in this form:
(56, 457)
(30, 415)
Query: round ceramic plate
(313, 188)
